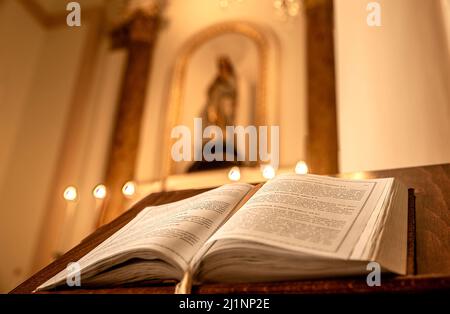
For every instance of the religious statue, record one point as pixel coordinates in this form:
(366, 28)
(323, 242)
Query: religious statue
(220, 110)
(222, 96)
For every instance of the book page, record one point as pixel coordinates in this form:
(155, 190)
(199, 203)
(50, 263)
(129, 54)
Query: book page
(174, 231)
(321, 215)
(179, 229)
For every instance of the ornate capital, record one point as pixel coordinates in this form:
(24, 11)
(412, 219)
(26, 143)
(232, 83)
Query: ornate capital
(147, 7)
(136, 21)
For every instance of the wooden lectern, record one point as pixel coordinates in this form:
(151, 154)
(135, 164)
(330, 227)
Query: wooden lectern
(428, 249)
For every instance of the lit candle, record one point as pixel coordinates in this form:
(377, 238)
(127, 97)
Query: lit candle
(359, 175)
(234, 174)
(70, 195)
(301, 168)
(99, 192)
(129, 189)
(268, 172)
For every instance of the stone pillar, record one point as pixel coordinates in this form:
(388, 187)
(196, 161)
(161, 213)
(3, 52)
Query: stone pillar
(138, 35)
(322, 147)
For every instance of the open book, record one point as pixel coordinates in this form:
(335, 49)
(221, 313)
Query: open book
(292, 227)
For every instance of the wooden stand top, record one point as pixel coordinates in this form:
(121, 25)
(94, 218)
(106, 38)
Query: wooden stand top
(432, 258)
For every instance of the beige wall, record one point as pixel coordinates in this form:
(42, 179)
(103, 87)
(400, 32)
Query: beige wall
(393, 85)
(95, 145)
(39, 70)
(18, 221)
(17, 56)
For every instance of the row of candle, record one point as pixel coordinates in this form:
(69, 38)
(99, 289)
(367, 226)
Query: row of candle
(129, 189)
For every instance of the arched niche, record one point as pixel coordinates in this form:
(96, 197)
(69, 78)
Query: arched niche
(266, 96)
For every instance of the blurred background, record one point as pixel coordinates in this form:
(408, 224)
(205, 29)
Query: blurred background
(86, 112)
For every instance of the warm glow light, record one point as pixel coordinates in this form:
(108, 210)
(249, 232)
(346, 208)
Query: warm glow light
(99, 192)
(129, 189)
(301, 168)
(70, 193)
(268, 172)
(358, 175)
(234, 174)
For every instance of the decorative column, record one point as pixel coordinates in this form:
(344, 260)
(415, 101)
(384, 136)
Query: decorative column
(322, 147)
(138, 35)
